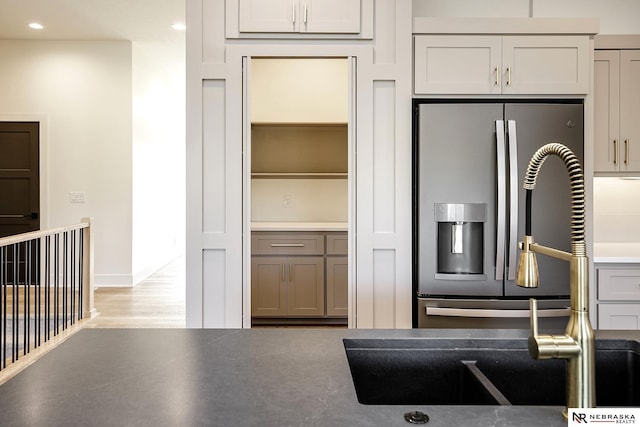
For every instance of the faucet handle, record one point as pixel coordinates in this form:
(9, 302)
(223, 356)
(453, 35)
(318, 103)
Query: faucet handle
(549, 346)
(534, 343)
(533, 316)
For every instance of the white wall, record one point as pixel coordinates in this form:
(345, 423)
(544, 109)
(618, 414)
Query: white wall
(158, 156)
(471, 8)
(83, 89)
(310, 200)
(616, 16)
(616, 206)
(299, 90)
(113, 127)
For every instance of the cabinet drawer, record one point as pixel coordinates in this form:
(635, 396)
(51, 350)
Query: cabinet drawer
(618, 316)
(618, 284)
(287, 244)
(337, 244)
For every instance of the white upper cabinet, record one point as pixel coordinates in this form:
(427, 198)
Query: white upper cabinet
(630, 110)
(616, 111)
(606, 93)
(545, 64)
(457, 64)
(299, 16)
(494, 65)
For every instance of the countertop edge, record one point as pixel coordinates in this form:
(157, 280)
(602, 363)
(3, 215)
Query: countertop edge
(298, 226)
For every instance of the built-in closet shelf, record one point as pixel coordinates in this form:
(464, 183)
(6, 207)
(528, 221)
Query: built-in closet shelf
(288, 175)
(299, 150)
(298, 124)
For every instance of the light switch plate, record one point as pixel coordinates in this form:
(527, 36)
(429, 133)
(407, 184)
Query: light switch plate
(77, 197)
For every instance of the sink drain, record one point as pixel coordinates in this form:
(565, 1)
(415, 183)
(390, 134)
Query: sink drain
(416, 417)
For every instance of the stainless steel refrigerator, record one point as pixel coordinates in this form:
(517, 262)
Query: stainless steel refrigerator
(469, 165)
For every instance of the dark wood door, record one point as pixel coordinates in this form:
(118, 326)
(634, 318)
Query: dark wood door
(19, 177)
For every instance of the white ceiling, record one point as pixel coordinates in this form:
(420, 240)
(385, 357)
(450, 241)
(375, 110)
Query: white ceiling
(135, 20)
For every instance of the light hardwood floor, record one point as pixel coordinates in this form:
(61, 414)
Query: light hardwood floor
(156, 302)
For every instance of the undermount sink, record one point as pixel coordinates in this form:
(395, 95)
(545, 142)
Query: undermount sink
(482, 372)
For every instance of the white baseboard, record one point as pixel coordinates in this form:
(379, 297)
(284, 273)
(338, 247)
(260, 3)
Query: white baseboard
(113, 281)
(147, 271)
(131, 280)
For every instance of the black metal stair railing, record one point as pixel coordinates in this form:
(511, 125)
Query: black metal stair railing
(46, 286)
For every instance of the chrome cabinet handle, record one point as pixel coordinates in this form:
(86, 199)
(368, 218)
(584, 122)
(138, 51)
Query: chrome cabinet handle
(508, 76)
(305, 13)
(287, 245)
(497, 81)
(282, 273)
(626, 151)
(615, 151)
(290, 271)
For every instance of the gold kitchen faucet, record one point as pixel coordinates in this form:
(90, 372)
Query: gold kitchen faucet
(577, 343)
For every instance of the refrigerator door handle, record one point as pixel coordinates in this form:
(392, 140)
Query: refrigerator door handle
(513, 199)
(480, 312)
(502, 199)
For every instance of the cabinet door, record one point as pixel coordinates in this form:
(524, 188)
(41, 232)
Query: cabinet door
(619, 284)
(630, 110)
(457, 64)
(545, 65)
(619, 316)
(306, 286)
(268, 286)
(330, 16)
(337, 286)
(606, 110)
(305, 16)
(268, 16)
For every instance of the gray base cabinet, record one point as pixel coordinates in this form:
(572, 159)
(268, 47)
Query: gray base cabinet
(305, 288)
(618, 297)
(287, 286)
(298, 275)
(268, 286)
(337, 275)
(337, 295)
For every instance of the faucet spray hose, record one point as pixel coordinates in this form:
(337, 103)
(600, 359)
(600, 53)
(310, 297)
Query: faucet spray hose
(527, 213)
(576, 178)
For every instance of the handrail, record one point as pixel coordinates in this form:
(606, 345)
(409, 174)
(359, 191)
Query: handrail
(32, 235)
(46, 286)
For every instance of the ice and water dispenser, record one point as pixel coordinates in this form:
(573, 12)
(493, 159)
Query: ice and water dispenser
(460, 240)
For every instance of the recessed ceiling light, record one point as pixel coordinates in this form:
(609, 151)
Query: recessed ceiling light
(36, 26)
(179, 27)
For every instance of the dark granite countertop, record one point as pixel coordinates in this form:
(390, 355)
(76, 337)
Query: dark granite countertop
(259, 377)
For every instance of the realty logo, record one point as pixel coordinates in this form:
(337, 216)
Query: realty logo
(580, 417)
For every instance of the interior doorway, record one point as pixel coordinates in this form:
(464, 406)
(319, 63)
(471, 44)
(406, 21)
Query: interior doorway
(298, 154)
(19, 177)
